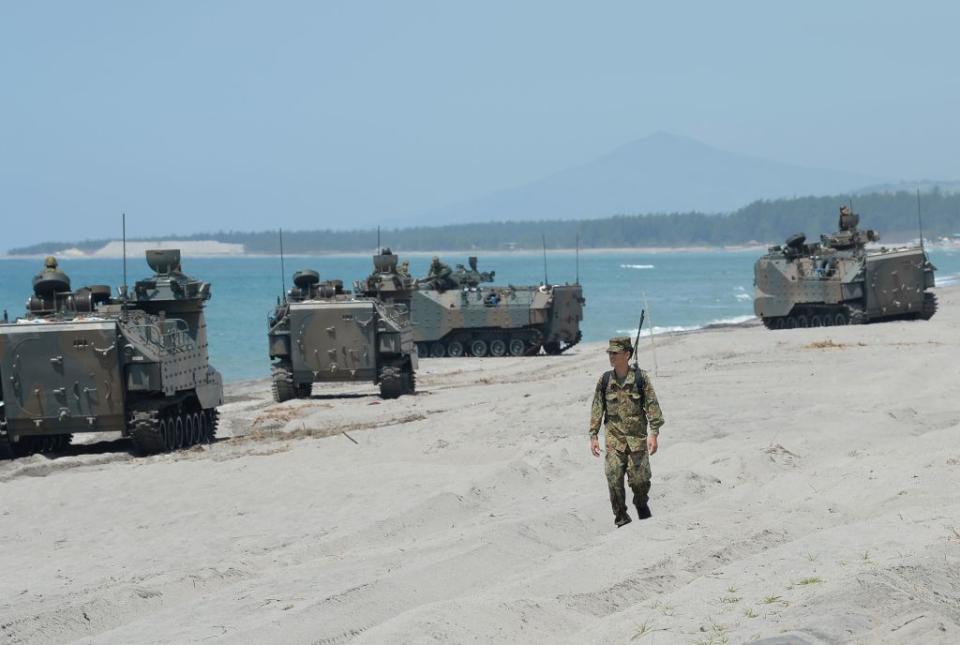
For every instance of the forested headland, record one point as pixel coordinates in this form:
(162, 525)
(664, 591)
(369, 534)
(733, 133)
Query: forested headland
(893, 215)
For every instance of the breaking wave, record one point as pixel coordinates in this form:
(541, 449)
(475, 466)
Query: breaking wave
(948, 280)
(636, 266)
(656, 331)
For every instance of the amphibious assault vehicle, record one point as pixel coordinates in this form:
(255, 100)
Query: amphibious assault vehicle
(321, 333)
(84, 361)
(838, 281)
(454, 313)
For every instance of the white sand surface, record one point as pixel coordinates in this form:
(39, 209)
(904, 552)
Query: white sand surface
(806, 491)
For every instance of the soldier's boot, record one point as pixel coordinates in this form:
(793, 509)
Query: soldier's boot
(643, 511)
(622, 519)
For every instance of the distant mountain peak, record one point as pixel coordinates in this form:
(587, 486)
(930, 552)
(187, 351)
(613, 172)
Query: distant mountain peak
(661, 139)
(658, 173)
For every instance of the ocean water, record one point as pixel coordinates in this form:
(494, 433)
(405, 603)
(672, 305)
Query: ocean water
(682, 290)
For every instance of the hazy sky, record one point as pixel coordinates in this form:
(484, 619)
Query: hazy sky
(198, 115)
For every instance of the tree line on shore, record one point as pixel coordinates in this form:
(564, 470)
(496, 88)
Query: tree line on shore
(894, 215)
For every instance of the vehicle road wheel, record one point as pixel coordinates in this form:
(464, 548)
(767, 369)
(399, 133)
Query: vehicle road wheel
(178, 425)
(437, 350)
(423, 350)
(827, 320)
(790, 322)
(802, 321)
(840, 319)
(497, 347)
(188, 430)
(169, 433)
(455, 348)
(304, 390)
(517, 347)
(815, 321)
(197, 428)
(202, 427)
(478, 347)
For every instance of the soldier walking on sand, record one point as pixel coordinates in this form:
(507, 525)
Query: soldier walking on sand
(625, 401)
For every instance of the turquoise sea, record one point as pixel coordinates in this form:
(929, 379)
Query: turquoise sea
(683, 290)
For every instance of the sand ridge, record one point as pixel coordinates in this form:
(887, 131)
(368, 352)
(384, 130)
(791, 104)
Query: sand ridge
(805, 488)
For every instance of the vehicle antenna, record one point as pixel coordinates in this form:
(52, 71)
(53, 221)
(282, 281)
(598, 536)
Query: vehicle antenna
(636, 343)
(919, 219)
(283, 271)
(544, 239)
(378, 238)
(578, 257)
(123, 233)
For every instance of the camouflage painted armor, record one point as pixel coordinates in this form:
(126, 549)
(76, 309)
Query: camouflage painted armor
(839, 281)
(85, 361)
(465, 316)
(320, 332)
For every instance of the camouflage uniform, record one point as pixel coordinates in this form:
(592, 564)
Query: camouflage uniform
(439, 275)
(403, 270)
(51, 271)
(629, 415)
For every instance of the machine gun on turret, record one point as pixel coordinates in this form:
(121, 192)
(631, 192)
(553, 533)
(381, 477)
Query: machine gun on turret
(471, 277)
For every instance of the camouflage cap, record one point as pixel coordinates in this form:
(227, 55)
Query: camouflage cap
(50, 262)
(620, 344)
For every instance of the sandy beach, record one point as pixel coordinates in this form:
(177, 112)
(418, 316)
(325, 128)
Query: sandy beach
(805, 491)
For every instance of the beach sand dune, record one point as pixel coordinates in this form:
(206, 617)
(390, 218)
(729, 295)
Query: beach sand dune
(806, 490)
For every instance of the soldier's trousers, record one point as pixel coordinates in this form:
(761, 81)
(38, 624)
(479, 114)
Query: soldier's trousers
(636, 466)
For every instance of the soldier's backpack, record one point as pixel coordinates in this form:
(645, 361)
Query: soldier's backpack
(637, 380)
